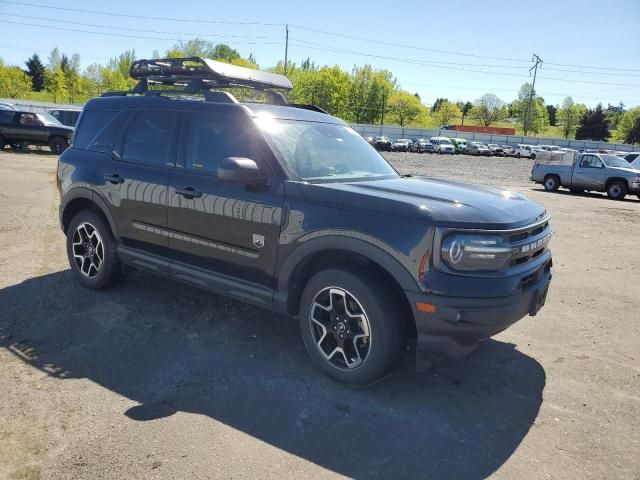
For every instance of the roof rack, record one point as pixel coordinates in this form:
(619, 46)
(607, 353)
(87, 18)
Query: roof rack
(204, 76)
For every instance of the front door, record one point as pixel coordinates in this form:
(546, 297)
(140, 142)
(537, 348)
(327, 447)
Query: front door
(223, 227)
(588, 173)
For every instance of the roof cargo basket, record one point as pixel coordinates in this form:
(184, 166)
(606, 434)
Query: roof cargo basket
(205, 73)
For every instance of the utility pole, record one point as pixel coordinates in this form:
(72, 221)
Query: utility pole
(383, 98)
(286, 47)
(538, 61)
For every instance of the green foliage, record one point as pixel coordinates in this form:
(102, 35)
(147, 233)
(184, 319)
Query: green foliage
(327, 88)
(633, 135)
(465, 109)
(404, 108)
(446, 111)
(122, 63)
(593, 125)
(58, 85)
(369, 89)
(552, 111)
(14, 83)
(569, 116)
(530, 111)
(37, 72)
(627, 123)
(488, 109)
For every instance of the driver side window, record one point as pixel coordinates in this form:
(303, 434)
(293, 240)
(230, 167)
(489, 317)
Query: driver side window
(29, 119)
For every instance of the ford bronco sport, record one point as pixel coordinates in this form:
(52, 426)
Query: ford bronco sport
(288, 208)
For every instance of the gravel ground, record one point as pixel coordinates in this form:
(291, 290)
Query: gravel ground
(154, 379)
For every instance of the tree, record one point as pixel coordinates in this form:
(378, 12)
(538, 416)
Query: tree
(437, 103)
(614, 114)
(465, 108)
(488, 109)
(627, 124)
(122, 63)
(633, 135)
(369, 92)
(225, 53)
(593, 125)
(14, 83)
(445, 112)
(551, 112)
(54, 60)
(530, 110)
(569, 116)
(58, 84)
(327, 88)
(37, 72)
(404, 107)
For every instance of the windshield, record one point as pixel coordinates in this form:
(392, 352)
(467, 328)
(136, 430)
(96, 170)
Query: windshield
(445, 141)
(613, 161)
(48, 120)
(324, 152)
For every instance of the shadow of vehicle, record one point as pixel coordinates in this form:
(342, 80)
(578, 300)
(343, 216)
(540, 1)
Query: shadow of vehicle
(174, 348)
(581, 193)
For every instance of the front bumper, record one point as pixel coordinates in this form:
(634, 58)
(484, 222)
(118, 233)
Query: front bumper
(635, 187)
(458, 324)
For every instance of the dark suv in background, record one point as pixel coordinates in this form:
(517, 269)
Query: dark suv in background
(21, 129)
(288, 208)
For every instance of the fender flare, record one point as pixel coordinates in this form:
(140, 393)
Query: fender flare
(87, 193)
(367, 249)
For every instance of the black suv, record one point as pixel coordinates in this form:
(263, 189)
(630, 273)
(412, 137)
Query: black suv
(21, 129)
(288, 208)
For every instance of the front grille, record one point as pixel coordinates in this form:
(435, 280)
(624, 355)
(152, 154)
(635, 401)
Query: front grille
(528, 243)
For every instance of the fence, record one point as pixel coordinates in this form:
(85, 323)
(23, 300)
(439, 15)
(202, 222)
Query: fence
(395, 132)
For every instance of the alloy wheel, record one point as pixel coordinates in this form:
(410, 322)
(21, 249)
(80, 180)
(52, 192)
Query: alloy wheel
(88, 250)
(340, 328)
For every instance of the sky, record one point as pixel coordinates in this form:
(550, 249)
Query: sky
(459, 49)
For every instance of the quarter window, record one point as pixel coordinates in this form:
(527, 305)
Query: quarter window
(214, 136)
(149, 136)
(29, 120)
(91, 125)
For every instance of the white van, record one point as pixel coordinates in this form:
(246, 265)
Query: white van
(442, 145)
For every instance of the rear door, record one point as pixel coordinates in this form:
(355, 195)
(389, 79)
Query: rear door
(134, 178)
(30, 128)
(226, 228)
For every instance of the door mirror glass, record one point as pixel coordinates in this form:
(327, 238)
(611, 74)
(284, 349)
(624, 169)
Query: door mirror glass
(239, 170)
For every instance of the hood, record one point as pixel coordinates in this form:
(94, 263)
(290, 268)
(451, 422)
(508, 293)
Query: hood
(64, 130)
(430, 200)
(630, 170)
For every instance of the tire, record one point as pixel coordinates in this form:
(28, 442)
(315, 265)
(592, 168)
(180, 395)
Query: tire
(518, 155)
(2, 143)
(91, 250)
(363, 360)
(551, 183)
(533, 156)
(58, 145)
(617, 190)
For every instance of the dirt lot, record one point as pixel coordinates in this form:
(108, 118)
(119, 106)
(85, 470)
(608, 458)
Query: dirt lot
(157, 380)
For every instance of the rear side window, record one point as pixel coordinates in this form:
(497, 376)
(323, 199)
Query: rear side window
(6, 117)
(214, 136)
(148, 137)
(92, 124)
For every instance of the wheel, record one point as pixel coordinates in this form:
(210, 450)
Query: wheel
(350, 326)
(617, 190)
(21, 147)
(533, 156)
(518, 155)
(2, 143)
(551, 183)
(91, 251)
(58, 145)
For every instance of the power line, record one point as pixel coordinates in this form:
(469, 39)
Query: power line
(594, 66)
(141, 17)
(134, 29)
(126, 35)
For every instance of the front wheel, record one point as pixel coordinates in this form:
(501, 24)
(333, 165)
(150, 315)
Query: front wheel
(551, 183)
(518, 155)
(351, 326)
(58, 145)
(617, 190)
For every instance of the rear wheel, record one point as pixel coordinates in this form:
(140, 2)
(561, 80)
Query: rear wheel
(551, 183)
(518, 155)
(91, 250)
(350, 326)
(2, 143)
(617, 190)
(58, 145)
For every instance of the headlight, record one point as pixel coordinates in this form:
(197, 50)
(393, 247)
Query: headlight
(475, 252)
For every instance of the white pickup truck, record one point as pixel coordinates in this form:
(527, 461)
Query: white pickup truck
(586, 172)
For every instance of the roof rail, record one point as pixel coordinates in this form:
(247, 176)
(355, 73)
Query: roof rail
(205, 74)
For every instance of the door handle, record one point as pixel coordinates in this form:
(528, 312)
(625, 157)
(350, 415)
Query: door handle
(188, 192)
(114, 178)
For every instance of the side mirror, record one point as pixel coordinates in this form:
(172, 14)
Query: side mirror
(239, 170)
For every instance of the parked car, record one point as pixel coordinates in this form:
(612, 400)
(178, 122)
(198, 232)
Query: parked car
(401, 145)
(591, 172)
(636, 163)
(21, 129)
(421, 145)
(477, 148)
(8, 106)
(526, 151)
(509, 150)
(442, 145)
(367, 261)
(549, 148)
(496, 150)
(459, 144)
(569, 150)
(446, 127)
(383, 144)
(631, 157)
(66, 116)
